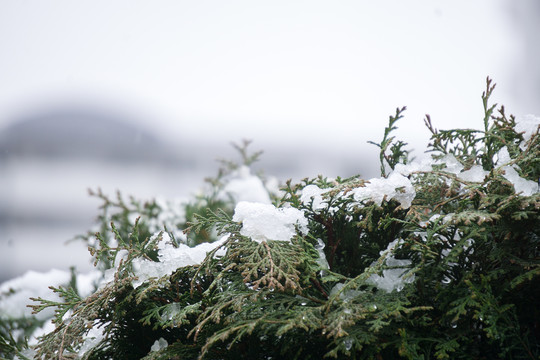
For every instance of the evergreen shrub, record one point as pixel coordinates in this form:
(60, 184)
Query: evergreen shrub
(433, 260)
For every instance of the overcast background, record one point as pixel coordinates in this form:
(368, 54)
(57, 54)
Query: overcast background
(142, 96)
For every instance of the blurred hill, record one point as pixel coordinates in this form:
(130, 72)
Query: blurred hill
(82, 134)
(48, 160)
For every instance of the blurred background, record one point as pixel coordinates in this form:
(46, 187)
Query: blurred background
(143, 96)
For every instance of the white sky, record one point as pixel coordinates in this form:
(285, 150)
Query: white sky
(326, 73)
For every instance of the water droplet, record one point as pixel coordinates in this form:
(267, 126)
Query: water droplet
(348, 344)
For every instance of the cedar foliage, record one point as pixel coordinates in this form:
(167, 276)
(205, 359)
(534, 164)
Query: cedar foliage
(465, 257)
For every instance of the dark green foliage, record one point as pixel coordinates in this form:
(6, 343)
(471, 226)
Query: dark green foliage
(456, 275)
(392, 153)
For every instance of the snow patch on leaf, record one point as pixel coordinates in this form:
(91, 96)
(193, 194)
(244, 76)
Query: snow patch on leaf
(392, 279)
(521, 185)
(313, 193)
(396, 186)
(170, 259)
(262, 222)
(246, 187)
(528, 125)
(474, 174)
(452, 164)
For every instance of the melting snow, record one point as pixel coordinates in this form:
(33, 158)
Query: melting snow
(262, 222)
(15, 293)
(528, 125)
(503, 157)
(452, 164)
(315, 194)
(322, 261)
(246, 187)
(396, 186)
(415, 166)
(521, 185)
(474, 174)
(170, 259)
(392, 279)
(159, 344)
(171, 214)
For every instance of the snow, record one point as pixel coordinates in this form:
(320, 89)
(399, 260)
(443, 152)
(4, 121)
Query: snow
(262, 222)
(344, 295)
(159, 345)
(452, 164)
(87, 282)
(93, 338)
(170, 215)
(503, 157)
(348, 343)
(170, 258)
(415, 166)
(474, 174)
(246, 187)
(392, 279)
(528, 125)
(47, 327)
(15, 294)
(322, 261)
(521, 185)
(272, 185)
(396, 186)
(315, 194)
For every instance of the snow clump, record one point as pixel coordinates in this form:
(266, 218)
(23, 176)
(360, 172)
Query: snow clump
(313, 193)
(172, 212)
(474, 174)
(392, 279)
(521, 185)
(170, 258)
(453, 166)
(246, 187)
(424, 165)
(159, 345)
(262, 222)
(396, 186)
(528, 125)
